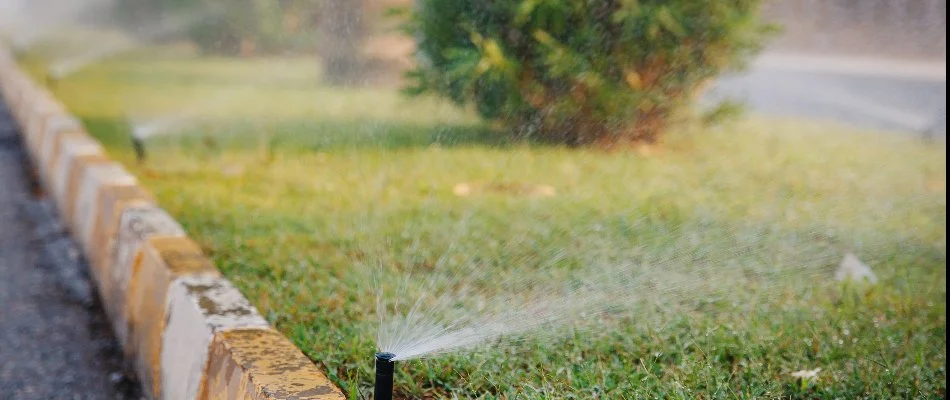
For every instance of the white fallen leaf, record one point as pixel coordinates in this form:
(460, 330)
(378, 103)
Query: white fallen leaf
(462, 190)
(232, 170)
(806, 373)
(852, 269)
(543, 191)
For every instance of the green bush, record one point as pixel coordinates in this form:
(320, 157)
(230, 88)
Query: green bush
(580, 71)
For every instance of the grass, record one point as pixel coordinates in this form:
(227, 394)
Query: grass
(304, 194)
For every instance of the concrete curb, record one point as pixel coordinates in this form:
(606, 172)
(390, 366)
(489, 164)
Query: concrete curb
(188, 331)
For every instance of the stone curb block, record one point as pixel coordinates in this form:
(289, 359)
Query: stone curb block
(254, 364)
(159, 263)
(137, 224)
(38, 115)
(199, 307)
(189, 333)
(113, 202)
(54, 128)
(94, 180)
(48, 164)
(73, 153)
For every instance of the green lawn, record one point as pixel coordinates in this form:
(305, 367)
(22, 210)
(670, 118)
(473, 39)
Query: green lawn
(306, 195)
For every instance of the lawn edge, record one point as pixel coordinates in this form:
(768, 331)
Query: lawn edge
(189, 333)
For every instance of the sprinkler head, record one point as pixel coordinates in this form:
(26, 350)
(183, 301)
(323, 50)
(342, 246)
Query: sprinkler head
(139, 146)
(385, 368)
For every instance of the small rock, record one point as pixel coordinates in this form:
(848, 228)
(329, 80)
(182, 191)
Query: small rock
(806, 373)
(852, 269)
(116, 377)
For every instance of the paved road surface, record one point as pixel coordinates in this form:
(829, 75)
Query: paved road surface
(51, 346)
(880, 94)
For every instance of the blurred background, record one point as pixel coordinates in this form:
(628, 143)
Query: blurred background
(872, 63)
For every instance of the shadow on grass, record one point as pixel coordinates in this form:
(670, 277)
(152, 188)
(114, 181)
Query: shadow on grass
(304, 135)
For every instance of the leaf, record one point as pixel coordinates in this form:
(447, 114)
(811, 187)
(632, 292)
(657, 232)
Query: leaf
(629, 9)
(632, 5)
(633, 79)
(525, 9)
(493, 52)
(653, 31)
(483, 66)
(477, 39)
(668, 22)
(543, 38)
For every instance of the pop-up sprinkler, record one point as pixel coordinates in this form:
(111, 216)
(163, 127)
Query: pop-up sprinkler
(385, 367)
(138, 144)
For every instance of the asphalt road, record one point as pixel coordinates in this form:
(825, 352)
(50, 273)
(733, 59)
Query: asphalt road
(53, 343)
(879, 94)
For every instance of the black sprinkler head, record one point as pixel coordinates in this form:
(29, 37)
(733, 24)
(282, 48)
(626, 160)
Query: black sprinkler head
(139, 146)
(385, 367)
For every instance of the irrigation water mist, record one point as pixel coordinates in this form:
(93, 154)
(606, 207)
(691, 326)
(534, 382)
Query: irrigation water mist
(469, 315)
(25, 23)
(62, 68)
(144, 128)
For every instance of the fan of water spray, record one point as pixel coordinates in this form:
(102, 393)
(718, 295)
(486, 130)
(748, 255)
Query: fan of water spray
(144, 128)
(120, 43)
(25, 23)
(470, 309)
(468, 317)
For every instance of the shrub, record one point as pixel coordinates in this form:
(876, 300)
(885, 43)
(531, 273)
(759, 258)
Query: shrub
(580, 71)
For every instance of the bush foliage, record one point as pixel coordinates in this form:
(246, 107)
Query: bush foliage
(580, 71)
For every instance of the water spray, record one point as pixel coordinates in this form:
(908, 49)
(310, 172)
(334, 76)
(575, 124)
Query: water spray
(385, 369)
